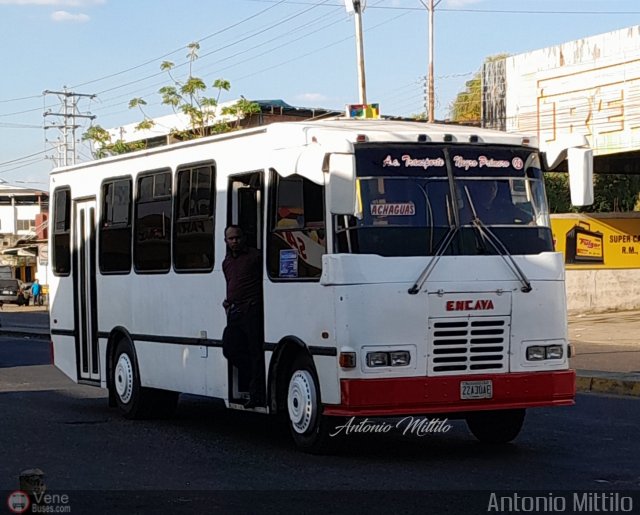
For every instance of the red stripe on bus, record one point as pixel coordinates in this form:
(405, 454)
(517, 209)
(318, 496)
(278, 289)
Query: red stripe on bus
(422, 395)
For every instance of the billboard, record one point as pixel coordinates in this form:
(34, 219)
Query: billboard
(589, 86)
(598, 240)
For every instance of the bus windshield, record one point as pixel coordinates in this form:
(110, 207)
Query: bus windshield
(410, 196)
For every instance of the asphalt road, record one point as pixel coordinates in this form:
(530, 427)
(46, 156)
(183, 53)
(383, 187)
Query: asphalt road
(212, 459)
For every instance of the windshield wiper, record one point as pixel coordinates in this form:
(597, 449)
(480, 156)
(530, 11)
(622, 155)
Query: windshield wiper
(487, 235)
(442, 248)
(502, 251)
(444, 245)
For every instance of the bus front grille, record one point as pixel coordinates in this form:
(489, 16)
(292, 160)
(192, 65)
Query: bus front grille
(468, 345)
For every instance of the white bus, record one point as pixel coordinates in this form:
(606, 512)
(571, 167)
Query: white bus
(391, 287)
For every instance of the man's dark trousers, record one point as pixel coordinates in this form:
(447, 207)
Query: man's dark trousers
(246, 322)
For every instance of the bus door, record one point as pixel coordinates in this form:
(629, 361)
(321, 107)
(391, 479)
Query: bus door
(245, 208)
(86, 322)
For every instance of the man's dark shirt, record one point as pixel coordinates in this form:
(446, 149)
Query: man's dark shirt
(244, 276)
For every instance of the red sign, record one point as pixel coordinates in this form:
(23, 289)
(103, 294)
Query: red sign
(469, 305)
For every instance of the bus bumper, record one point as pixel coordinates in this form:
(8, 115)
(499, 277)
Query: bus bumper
(424, 395)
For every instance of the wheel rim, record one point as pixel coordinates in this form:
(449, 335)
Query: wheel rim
(124, 378)
(302, 401)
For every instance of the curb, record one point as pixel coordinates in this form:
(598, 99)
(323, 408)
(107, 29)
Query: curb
(615, 383)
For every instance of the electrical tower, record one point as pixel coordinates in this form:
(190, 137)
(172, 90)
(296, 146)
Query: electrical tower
(69, 114)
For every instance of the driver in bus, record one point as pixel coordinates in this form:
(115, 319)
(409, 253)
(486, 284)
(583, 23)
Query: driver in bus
(243, 338)
(491, 203)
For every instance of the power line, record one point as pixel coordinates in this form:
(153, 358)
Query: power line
(19, 99)
(21, 112)
(21, 166)
(22, 158)
(318, 49)
(19, 126)
(319, 29)
(453, 9)
(257, 46)
(225, 29)
(202, 56)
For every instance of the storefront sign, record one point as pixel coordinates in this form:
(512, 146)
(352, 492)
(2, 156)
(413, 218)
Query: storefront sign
(603, 240)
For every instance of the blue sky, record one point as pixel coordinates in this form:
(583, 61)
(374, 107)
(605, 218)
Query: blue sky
(300, 51)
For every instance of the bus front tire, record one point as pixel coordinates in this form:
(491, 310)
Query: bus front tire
(309, 428)
(496, 427)
(134, 401)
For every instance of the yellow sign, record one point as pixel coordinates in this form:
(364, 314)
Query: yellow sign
(589, 246)
(598, 240)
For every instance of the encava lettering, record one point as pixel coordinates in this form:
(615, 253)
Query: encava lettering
(469, 305)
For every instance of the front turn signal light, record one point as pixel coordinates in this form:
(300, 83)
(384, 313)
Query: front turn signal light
(347, 359)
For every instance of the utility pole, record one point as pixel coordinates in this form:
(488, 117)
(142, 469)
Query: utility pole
(69, 113)
(357, 7)
(430, 81)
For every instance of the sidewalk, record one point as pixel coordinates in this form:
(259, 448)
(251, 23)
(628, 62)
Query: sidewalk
(14, 308)
(606, 345)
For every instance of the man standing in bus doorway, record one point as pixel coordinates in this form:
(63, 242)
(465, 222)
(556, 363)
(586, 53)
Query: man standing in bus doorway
(244, 336)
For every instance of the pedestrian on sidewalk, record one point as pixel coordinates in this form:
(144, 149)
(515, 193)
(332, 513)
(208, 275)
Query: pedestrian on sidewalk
(35, 292)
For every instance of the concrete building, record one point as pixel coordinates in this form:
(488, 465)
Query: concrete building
(589, 87)
(23, 233)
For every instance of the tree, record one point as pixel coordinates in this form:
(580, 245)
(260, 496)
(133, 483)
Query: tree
(189, 97)
(467, 107)
(104, 145)
(612, 192)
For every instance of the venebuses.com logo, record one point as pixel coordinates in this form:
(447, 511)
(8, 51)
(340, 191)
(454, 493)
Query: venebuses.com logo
(18, 502)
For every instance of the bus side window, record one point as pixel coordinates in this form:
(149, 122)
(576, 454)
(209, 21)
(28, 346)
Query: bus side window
(152, 244)
(61, 232)
(115, 226)
(297, 238)
(193, 239)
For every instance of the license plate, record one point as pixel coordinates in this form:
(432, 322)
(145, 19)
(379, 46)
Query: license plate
(476, 389)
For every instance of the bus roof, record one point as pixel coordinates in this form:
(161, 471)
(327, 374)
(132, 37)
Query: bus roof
(331, 132)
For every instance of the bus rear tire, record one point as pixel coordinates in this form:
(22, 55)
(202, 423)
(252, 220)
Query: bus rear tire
(496, 427)
(134, 401)
(309, 428)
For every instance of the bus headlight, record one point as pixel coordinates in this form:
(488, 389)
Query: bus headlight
(536, 353)
(396, 358)
(377, 359)
(555, 352)
(400, 358)
(542, 352)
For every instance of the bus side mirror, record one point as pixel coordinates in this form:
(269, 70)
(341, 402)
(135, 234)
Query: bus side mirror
(580, 164)
(342, 184)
